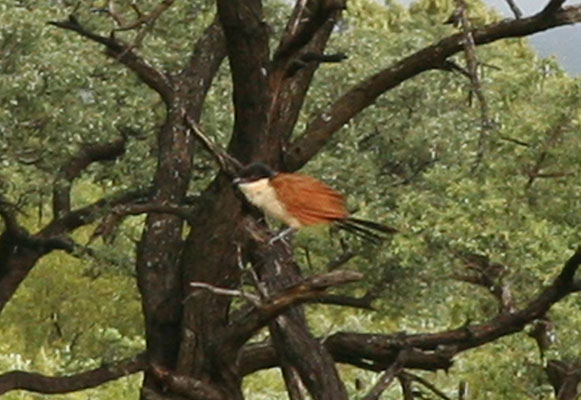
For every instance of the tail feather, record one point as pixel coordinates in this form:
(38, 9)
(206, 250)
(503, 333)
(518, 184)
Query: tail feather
(367, 230)
(371, 225)
(360, 232)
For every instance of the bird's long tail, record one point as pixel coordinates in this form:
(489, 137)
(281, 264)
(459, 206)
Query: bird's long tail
(367, 230)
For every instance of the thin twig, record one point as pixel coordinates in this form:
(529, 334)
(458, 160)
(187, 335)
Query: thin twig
(427, 384)
(472, 64)
(514, 8)
(255, 300)
(384, 380)
(227, 163)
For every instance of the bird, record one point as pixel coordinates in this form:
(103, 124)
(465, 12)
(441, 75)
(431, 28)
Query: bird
(301, 200)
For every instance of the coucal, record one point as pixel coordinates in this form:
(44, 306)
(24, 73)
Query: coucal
(300, 200)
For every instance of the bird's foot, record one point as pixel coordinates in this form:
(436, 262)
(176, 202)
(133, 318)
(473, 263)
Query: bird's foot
(283, 235)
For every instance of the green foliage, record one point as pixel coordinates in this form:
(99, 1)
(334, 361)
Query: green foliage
(407, 161)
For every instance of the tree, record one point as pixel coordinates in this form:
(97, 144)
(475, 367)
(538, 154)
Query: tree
(205, 296)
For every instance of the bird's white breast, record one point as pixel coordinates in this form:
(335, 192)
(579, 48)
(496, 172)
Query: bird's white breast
(262, 195)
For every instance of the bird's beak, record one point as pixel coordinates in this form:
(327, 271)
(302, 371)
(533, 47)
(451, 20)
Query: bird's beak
(236, 181)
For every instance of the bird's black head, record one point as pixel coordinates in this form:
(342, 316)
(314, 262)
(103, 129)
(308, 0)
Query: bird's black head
(253, 172)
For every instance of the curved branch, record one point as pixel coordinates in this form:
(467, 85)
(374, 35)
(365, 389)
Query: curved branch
(321, 128)
(148, 74)
(88, 154)
(39, 383)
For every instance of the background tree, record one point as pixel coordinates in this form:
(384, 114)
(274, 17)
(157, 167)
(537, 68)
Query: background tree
(486, 199)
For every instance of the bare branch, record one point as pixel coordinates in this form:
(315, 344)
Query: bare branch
(430, 351)
(90, 213)
(322, 127)
(427, 384)
(227, 163)
(552, 7)
(385, 380)
(514, 8)
(308, 16)
(88, 154)
(148, 74)
(472, 63)
(307, 290)
(38, 383)
(110, 223)
(146, 19)
(255, 300)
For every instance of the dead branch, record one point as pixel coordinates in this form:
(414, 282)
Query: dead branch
(553, 136)
(72, 169)
(38, 383)
(148, 74)
(146, 19)
(229, 164)
(472, 64)
(514, 8)
(321, 128)
(427, 384)
(385, 380)
(255, 300)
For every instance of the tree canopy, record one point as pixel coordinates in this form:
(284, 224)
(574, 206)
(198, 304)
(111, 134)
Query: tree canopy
(123, 124)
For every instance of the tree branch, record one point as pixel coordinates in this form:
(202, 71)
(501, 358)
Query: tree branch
(148, 74)
(385, 380)
(322, 127)
(248, 52)
(307, 290)
(552, 6)
(514, 8)
(472, 64)
(428, 351)
(38, 383)
(88, 154)
(110, 223)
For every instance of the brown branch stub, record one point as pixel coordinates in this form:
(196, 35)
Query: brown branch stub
(38, 383)
(552, 6)
(148, 74)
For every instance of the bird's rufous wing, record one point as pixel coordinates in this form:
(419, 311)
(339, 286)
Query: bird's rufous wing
(308, 199)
